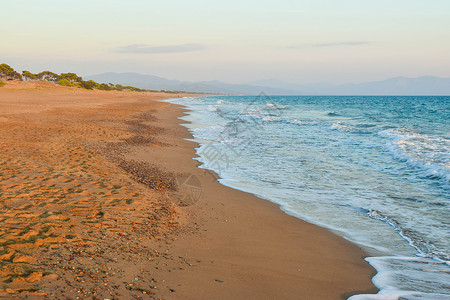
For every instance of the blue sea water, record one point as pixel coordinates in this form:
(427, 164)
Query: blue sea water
(375, 170)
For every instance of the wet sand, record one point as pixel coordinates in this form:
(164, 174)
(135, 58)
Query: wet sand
(100, 199)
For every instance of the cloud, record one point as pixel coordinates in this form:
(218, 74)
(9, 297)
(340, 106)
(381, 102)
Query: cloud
(146, 49)
(354, 43)
(335, 44)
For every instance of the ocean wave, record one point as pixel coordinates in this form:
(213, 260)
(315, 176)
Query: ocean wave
(403, 295)
(287, 120)
(271, 119)
(365, 125)
(222, 102)
(268, 109)
(351, 128)
(395, 274)
(302, 122)
(424, 247)
(430, 154)
(274, 106)
(212, 108)
(383, 133)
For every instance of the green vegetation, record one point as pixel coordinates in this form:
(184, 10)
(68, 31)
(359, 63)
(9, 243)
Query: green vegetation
(70, 77)
(47, 76)
(89, 85)
(64, 79)
(27, 75)
(66, 82)
(8, 73)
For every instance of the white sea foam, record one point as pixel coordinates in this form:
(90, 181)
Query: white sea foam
(221, 102)
(339, 126)
(367, 171)
(361, 128)
(393, 273)
(431, 154)
(271, 119)
(401, 295)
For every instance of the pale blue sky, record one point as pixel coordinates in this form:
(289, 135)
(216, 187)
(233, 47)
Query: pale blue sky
(235, 41)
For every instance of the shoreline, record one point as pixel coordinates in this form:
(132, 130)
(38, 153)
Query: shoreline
(228, 201)
(123, 210)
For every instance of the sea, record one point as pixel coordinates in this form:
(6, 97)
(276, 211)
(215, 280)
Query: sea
(372, 169)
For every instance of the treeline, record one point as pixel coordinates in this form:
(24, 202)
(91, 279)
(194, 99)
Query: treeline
(65, 79)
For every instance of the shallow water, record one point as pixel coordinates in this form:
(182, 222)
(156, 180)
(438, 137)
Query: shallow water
(375, 170)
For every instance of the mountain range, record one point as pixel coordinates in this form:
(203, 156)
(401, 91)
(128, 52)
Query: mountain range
(427, 85)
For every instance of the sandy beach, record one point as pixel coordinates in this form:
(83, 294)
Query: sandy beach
(100, 199)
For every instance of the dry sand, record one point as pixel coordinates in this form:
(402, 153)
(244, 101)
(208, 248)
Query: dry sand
(100, 199)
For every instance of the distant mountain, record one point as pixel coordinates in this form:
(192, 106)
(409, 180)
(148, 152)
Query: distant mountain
(158, 83)
(142, 81)
(305, 89)
(428, 85)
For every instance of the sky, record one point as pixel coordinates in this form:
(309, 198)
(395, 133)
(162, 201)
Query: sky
(236, 41)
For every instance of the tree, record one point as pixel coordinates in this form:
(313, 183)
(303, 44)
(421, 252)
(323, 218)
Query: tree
(27, 75)
(66, 82)
(90, 84)
(66, 79)
(105, 87)
(8, 73)
(71, 77)
(47, 76)
(16, 76)
(5, 71)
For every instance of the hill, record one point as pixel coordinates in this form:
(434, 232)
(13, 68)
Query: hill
(427, 85)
